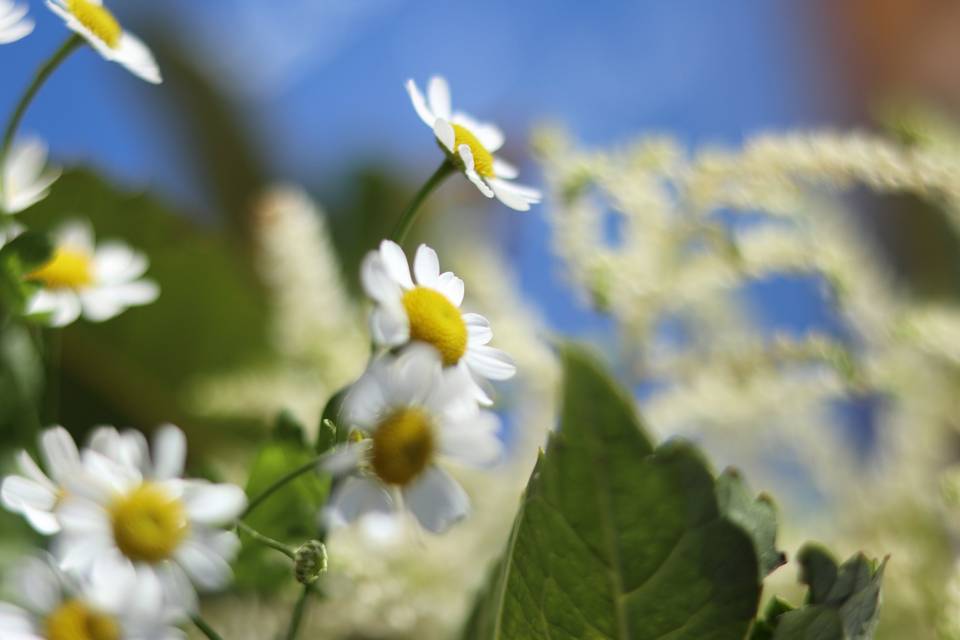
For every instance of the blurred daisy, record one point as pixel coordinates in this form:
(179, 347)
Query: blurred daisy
(26, 180)
(99, 282)
(14, 23)
(35, 494)
(429, 311)
(100, 28)
(107, 607)
(470, 145)
(138, 515)
(414, 413)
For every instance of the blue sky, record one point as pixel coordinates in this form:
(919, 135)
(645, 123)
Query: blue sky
(321, 81)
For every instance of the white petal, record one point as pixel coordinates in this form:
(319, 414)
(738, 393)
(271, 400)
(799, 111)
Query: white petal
(62, 305)
(478, 329)
(514, 196)
(60, 453)
(18, 493)
(395, 262)
(169, 452)
(444, 133)
(426, 266)
(466, 155)
(17, 624)
(76, 234)
(489, 135)
(213, 504)
(437, 500)
(389, 325)
(490, 363)
(29, 468)
(177, 588)
(452, 287)
(137, 58)
(111, 579)
(504, 169)
(344, 459)
(419, 104)
(203, 560)
(115, 262)
(355, 497)
(82, 516)
(38, 584)
(472, 442)
(438, 97)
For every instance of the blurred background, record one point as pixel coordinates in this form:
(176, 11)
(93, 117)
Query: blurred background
(310, 92)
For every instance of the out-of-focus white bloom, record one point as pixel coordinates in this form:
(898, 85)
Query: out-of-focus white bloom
(428, 311)
(36, 494)
(98, 282)
(100, 28)
(415, 413)
(470, 145)
(129, 511)
(54, 606)
(14, 23)
(26, 179)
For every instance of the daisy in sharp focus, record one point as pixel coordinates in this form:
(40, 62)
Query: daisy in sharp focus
(26, 178)
(429, 311)
(470, 145)
(415, 414)
(54, 606)
(35, 494)
(91, 20)
(131, 511)
(14, 23)
(98, 282)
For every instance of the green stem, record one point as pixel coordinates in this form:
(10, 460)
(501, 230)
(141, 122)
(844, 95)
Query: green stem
(297, 615)
(279, 483)
(53, 357)
(409, 215)
(265, 540)
(205, 628)
(41, 76)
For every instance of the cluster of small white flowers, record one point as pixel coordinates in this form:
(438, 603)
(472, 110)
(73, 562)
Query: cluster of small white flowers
(676, 277)
(132, 537)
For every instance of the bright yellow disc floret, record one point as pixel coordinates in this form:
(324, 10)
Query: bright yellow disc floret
(67, 269)
(435, 320)
(74, 620)
(482, 159)
(148, 523)
(98, 20)
(403, 446)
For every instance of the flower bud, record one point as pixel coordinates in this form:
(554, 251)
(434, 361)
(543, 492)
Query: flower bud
(310, 560)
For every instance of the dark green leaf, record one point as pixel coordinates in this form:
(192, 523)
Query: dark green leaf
(757, 516)
(616, 540)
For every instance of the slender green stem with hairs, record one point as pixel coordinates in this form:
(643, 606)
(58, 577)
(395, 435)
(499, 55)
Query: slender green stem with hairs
(266, 540)
(410, 214)
(279, 484)
(297, 617)
(44, 72)
(205, 628)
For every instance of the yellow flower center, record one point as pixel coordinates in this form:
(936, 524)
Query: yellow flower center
(67, 269)
(435, 320)
(98, 20)
(73, 620)
(482, 159)
(403, 446)
(148, 523)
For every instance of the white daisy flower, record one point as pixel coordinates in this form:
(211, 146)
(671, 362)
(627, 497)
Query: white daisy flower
(26, 180)
(470, 145)
(130, 511)
(91, 20)
(415, 415)
(14, 23)
(54, 606)
(35, 494)
(429, 311)
(99, 282)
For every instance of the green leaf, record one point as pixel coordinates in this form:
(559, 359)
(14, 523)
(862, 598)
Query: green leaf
(757, 516)
(331, 416)
(617, 540)
(843, 602)
(289, 515)
(25, 253)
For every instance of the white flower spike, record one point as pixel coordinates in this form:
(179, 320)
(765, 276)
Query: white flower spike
(470, 145)
(428, 310)
(35, 494)
(91, 20)
(26, 179)
(14, 22)
(98, 282)
(130, 511)
(415, 415)
(109, 606)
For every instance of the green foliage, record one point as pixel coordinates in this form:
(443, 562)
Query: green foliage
(289, 515)
(843, 602)
(25, 253)
(757, 516)
(210, 315)
(331, 419)
(616, 539)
